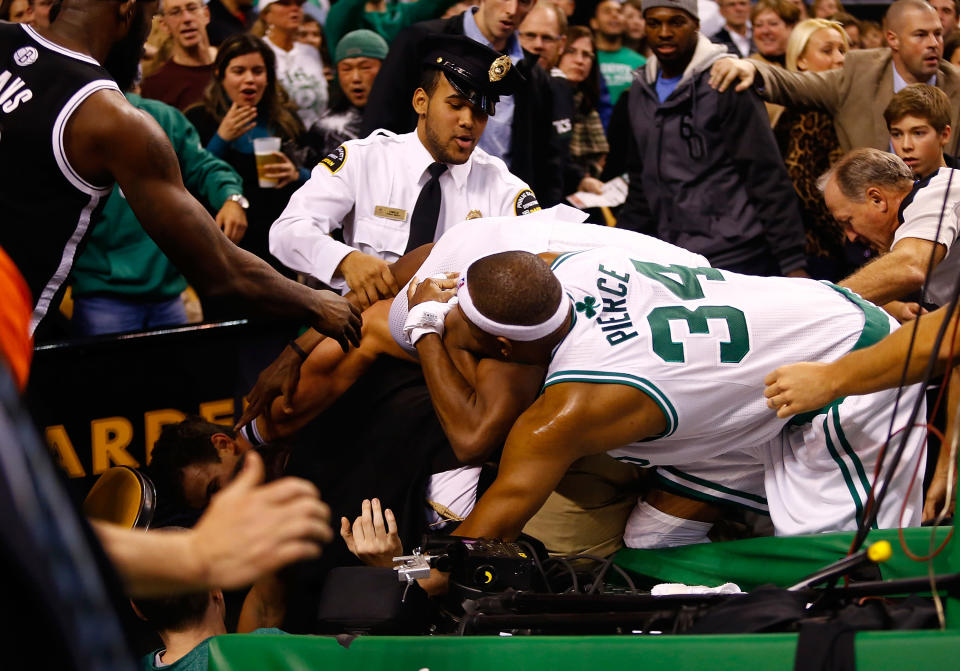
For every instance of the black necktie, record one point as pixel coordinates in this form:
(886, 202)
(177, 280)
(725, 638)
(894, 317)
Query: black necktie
(423, 221)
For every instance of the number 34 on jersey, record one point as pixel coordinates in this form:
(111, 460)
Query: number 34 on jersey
(674, 328)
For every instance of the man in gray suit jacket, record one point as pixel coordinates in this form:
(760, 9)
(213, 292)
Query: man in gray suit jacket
(857, 93)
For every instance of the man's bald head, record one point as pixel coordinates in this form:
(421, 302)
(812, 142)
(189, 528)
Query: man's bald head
(915, 36)
(898, 10)
(514, 288)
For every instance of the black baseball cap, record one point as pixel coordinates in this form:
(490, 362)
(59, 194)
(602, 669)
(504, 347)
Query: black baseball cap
(477, 72)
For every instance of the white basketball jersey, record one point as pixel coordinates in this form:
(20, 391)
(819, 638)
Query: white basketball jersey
(699, 341)
(535, 233)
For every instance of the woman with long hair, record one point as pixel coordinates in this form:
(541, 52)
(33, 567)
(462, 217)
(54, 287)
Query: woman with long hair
(242, 103)
(588, 143)
(809, 145)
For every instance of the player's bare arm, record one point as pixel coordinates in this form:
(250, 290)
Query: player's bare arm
(282, 377)
(328, 372)
(801, 387)
(108, 137)
(569, 421)
(476, 399)
(897, 273)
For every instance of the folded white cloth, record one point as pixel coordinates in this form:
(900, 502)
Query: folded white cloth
(665, 588)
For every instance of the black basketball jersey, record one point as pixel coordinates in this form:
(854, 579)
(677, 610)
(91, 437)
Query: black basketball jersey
(45, 206)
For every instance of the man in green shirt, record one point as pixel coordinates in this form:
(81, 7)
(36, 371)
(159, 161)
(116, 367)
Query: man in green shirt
(616, 61)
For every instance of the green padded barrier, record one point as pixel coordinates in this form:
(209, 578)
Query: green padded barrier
(876, 651)
(781, 561)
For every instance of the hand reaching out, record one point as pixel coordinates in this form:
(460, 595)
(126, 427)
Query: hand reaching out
(799, 387)
(726, 71)
(373, 537)
(251, 529)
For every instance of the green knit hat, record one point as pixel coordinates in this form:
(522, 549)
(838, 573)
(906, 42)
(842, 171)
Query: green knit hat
(361, 44)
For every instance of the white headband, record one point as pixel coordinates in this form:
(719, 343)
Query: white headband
(516, 332)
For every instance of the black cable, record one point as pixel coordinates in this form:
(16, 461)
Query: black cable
(536, 560)
(623, 574)
(561, 561)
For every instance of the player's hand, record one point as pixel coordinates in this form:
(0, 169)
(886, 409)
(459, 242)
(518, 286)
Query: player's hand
(238, 120)
(432, 289)
(338, 318)
(280, 377)
(590, 185)
(283, 171)
(368, 277)
(903, 311)
(251, 529)
(728, 70)
(799, 387)
(232, 220)
(373, 537)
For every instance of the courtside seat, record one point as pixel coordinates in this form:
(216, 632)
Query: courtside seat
(124, 496)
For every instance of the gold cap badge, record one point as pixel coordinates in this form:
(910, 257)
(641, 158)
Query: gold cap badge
(474, 214)
(499, 68)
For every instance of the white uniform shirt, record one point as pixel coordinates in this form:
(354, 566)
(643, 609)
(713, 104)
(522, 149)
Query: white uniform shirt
(300, 70)
(369, 187)
(919, 217)
(698, 342)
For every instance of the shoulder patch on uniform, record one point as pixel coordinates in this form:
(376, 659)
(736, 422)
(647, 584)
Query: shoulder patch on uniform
(335, 159)
(525, 203)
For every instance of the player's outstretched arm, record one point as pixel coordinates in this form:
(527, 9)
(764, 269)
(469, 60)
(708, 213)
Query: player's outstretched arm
(249, 530)
(569, 421)
(282, 377)
(802, 387)
(107, 137)
(328, 372)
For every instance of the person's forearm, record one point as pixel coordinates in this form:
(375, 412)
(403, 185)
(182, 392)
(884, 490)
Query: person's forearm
(880, 366)
(243, 277)
(501, 512)
(455, 402)
(807, 89)
(886, 279)
(152, 563)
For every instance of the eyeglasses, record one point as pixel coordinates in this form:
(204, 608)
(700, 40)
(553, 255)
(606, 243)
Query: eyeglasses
(177, 12)
(546, 38)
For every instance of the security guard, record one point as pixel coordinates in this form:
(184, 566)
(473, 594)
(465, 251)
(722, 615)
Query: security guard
(391, 193)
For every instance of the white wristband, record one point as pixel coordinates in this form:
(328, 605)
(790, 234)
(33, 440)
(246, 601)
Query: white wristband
(426, 318)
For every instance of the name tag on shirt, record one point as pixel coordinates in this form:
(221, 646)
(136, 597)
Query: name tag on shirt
(390, 213)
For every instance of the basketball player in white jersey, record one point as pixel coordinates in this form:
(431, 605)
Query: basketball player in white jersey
(663, 364)
(476, 402)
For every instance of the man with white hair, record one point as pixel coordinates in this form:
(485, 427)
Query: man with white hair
(914, 225)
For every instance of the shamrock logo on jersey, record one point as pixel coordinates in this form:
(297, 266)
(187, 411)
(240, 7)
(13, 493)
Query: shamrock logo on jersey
(587, 306)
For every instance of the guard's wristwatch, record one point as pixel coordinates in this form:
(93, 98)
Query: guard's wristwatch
(240, 200)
